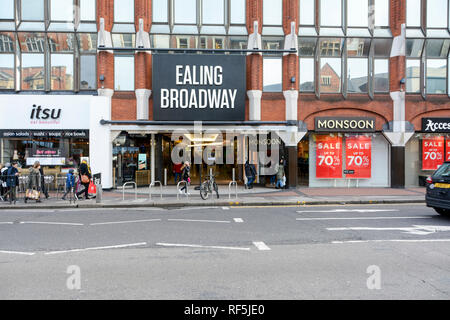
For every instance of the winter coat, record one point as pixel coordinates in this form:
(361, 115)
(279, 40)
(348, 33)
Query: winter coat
(12, 180)
(70, 180)
(34, 179)
(280, 171)
(250, 170)
(186, 173)
(85, 170)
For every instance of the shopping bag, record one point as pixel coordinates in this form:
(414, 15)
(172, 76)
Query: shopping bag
(92, 188)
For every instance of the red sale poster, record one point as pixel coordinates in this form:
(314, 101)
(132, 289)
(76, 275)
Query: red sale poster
(328, 157)
(358, 154)
(432, 153)
(447, 150)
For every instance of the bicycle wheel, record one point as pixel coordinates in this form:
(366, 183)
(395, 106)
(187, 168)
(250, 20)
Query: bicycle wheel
(216, 189)
(204, 190)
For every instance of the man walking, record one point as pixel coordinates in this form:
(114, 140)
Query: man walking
(250, 173)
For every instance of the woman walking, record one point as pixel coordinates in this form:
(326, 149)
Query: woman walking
(85, 178)
(34, 183)
(185, 176)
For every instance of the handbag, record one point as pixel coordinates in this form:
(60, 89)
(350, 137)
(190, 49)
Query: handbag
(85, 178)
(92, 188)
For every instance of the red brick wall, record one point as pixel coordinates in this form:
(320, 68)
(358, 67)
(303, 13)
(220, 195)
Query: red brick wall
(273, 107)
(123, 106)
(417, 108)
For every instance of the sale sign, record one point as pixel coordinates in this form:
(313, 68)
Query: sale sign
(328, 157)
(358, 156)
(447, 150)
(432, 153)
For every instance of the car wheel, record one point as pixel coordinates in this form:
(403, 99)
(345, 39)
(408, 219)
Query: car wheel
(443, 212)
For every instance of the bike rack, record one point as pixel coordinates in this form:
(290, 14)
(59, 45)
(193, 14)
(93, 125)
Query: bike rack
(135, 189)
(235, 189)
(150, 189)
(178, 188)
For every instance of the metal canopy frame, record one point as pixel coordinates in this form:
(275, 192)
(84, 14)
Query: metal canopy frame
(193, 50)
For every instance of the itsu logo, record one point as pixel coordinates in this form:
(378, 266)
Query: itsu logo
(41, 115)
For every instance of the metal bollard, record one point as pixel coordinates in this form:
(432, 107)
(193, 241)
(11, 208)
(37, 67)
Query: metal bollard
(165, 176)
(98, 195)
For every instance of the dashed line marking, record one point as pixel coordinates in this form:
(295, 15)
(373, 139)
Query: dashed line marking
(6, 222)
(191, 220)
(392, 240)
(121, 222)
(200, 246)
(261, 246)
(361, 218)
(99, 248)
(238, 220)
(52, 223)
(18, 252)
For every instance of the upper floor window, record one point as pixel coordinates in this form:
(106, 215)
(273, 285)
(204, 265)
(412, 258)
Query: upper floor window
(123, 32)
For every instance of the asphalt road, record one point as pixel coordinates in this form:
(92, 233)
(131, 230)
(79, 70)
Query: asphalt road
(301, 252)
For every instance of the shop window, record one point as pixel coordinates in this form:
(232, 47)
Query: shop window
(32, 71)
(124, 73)
(272, 74)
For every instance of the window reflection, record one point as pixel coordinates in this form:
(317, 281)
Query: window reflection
(184, 42)
(123, 10)
(124, 40)
(307, 46)
(436, 76)
(437, 48)
(238, 43)
(382, 13)
(330, 47)
(272, 74)
(307, 12)
(32, 10)
(124, 73)
(357, 75)
(161, 41)
(60, 42)
(381, 75)
(413, 10)
(358, 47)
(61, 10)
(306, 74)
(61, 76)
(382, 47)
(414, 47)
(237, 11)
(330, 75)
(185, 11)
(88, 72)
(7, 42)
(413, 75)
(7, 11)
(358, 13)
(330, 13)
(87, 42)
(272, 43)
(6, 71)
(213, 12)
(272, 12)
(32, 42)
(160, 11)
(32, 71)
(87, 10)
(437, 13)
(212, 42)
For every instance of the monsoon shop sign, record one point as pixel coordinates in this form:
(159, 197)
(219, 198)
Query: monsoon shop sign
(192, 87)
(354, 124)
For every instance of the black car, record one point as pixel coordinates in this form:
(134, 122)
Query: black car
(438, 190)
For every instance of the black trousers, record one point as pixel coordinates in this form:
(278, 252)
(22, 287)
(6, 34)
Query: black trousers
(86, 190)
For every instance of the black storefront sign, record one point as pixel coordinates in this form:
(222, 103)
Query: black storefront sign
(438, 125)
(44, 134)
(199, 87)
(345, 124)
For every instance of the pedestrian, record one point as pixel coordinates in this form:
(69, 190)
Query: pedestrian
(177, 171)
(70, 183)
(12, 181)
(85, 178)
(250, 173)
(3, 178)
(186, 176)
(34, 183)
(43, 186)
(280, 174)
(1, 182)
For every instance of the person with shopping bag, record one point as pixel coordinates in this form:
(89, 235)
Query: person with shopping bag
(85, 179)
(34, 183)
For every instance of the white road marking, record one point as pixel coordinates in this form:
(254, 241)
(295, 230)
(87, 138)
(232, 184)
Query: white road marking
(349, 210)
(417, 230)
(361, 218)
(120, 222)
(99, 248)
(18, 252)
(199, 246)
(190, 220)
(261, 245)
(225, 208)
(6, 222)
(392, 240)
(52, 223)
(238, 220)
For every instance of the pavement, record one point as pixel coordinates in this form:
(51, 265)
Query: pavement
(167, 196)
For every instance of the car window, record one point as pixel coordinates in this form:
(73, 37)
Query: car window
(443, 171)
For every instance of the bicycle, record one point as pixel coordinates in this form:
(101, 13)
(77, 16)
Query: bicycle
(208, 186)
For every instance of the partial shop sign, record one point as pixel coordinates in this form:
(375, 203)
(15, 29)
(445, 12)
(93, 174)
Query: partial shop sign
(358, 151)
(436, 125)
(328, 157)
(432, 153)
(447, 150)
(199, 87)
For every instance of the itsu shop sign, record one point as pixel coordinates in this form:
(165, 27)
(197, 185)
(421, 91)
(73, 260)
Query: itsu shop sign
(193, 87)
